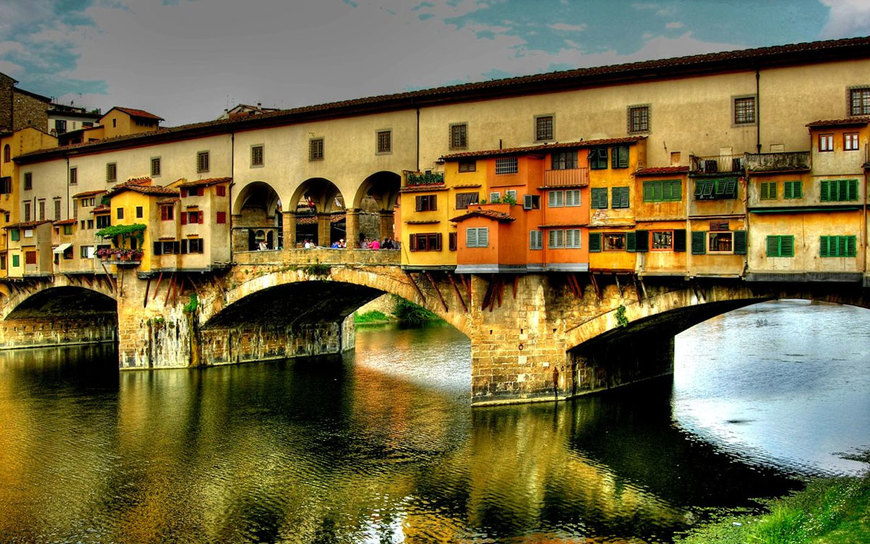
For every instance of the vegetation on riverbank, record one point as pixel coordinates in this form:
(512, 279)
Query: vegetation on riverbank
(829, 511)
(372, 318)
(405, 313)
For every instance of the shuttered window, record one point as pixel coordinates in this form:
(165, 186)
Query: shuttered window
(598, 158)
(699, 242)
(477, 237)
(557, 239)
(555, 199)
(665, 190)
(572, 197)
(838, 190)
(780, 246)
(594, 242)
(620, 197)
(792, 189)
(837, 246)
(619, 156)
(598, 198)
(768, 190)
(535, 239)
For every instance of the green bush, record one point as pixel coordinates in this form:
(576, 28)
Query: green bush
(410, 314)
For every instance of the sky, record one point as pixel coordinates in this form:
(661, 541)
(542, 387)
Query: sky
(189, 60)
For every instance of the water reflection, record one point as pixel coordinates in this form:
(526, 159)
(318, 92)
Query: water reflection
(383, 447)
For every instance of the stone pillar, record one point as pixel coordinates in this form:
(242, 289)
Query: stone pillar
(352, 227)
(385, 227)
(324, 227)
(289, 233)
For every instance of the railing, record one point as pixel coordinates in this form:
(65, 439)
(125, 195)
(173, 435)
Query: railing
(716, 164)
(424, 178)
(576, 177)
(774, 162)
(325, 256)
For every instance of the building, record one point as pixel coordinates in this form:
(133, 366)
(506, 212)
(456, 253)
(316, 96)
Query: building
(19, 108)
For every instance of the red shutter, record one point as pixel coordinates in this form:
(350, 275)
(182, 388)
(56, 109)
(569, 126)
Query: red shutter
(183, 218)
(200, 216)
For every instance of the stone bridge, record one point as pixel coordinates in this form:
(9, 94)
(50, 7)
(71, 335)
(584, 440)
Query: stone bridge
(533, 336)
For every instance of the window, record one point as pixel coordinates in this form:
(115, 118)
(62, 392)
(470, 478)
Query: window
(510, 196)
(531, 202)
(838, 190)
(120, 213)
(29, 257)
(556, 239)
(15, 235)
(665, 190)
(494, 197)
(721, 242)
(638, 118)
(477, 237)
(458, 136)
(543, 128)
(564, 160)
(506, 165)
(850, 141)
(60, 126)
(792, 189)
(90, 224)
(613, 241)
(535, 239)
(662, 240)
(780, 246)
(859, 101)
(28, 181)
(426, 203)
(826, 142)
(598, 198)
(221, 218)
(86, 252)
(57, 209)
(744, 110)
(192, 217)
(837, 246)
(3, 262)
(619, 156)
(167, 213)
(41, 205)
(715, 189)
(257, 155)
(467, 166)
(451, 241)
(464, 200)
(139, 212)
(572, 238)
(620, 197)
(73, 176)
(194, 245)
(155, 167)
(315, 149)
(202, 161)
(220, 190)
(384, 141)
(598, 158)
(111, 172)
(555, 199)
(425, 242)
(5, 185)
(103, 221)
(572, 197)
(16, 261)
(767, 190)
(27, 211)
(7, 153)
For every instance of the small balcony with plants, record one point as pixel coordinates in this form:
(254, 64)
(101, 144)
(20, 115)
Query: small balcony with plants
(127, 241)
(716, 165)
(423, 179)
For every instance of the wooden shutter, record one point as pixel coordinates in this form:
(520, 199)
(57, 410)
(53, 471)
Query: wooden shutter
(740, 242)
(642, 243)
(184, 246)
(679, 240)
(631, 241)
(158, 248)
(594, 242)
(470, 237)
(200, 216)
(699, 242)
(773, 246)
(183, 218)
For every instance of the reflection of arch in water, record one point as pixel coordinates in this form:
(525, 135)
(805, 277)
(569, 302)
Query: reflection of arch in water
(257, 217)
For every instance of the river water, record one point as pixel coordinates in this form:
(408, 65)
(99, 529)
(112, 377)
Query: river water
(382, 446)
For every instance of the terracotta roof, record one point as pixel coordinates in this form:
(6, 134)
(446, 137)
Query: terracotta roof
(168, 200)
(662, 171)
(423, 188)
(101, 208)
(142, 114)
(143, 186)
(89, 193)
(204, 182)
(542, 148)
(711, 63)
(480, 212)
(849, 122)
(66, 222)
(26, 224)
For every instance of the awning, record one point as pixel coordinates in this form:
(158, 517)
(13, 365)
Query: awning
(61, 248)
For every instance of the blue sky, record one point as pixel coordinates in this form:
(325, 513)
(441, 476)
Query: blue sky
(188, 60)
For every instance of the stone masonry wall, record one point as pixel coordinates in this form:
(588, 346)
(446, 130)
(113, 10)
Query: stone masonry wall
(55, 331)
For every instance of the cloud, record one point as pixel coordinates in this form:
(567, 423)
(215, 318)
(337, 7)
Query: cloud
(674, 25)
(568, 28)
(847, 18)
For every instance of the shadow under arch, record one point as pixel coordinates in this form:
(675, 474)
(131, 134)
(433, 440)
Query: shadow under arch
(257, 218)
(67, 302)
(318, 205)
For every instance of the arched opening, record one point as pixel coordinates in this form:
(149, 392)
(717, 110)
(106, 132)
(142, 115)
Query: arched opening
(257, 218)
(374, 204)
(319, 211)
(7, 153)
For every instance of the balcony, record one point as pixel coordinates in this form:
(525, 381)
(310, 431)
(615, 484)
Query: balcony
(797, 161)
(574, 177)
(716, 165)
(418, 179)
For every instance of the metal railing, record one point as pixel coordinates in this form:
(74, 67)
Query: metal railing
(716, 164)
(577, 177)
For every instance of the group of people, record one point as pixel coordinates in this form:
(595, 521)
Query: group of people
(388, 243)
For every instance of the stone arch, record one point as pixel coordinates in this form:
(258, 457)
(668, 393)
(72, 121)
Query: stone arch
(257, 207)
(378, 194)
(318, 207)
(61, 301)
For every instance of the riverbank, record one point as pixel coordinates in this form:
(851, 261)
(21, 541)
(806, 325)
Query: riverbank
(829, 510)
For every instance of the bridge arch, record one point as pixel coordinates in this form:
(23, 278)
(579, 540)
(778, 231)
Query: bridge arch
(379, 193)
(316, 202)
(62, 299)
(257, 217)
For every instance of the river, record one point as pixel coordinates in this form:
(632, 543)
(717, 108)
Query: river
(382, 446)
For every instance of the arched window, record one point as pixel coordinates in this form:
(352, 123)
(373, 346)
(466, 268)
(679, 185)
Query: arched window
(7, 153)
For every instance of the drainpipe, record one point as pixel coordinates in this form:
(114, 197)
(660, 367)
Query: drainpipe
(418, 139)
(758, 110)
(230, 188)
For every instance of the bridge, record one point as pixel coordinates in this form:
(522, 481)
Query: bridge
(534, 337)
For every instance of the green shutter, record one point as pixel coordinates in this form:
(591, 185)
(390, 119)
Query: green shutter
(852, 189)
(851, 248)
(786, 246)
(676, 190)
(679, 240)
(594, 242)
(16, 235)
(648, 191)
(773, 246)
(599, 198)
(642, 243)
(630, 241)
(620, 197)
(740, 242)
(823, 246)
(699, 242)
(824, 191)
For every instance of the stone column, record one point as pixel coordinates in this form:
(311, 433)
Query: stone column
(352, 227)
(385, 227)
(289, 232)
(323, 229)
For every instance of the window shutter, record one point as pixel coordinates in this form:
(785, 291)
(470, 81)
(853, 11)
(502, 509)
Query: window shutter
(631, 241)
(599, 198)
(851, 249)
(823, 246)
(183, 218)
(470, 237)
(852, 189)
(200, 217)
(679, 240)
(184, 246)
(527, 202)
(740, 242)
(438, 242)
(787, 246)
(483, 237)
(824, 191)
(594, 242)
(773, 246)
(699, 242)
(642, 243)
(158, 248)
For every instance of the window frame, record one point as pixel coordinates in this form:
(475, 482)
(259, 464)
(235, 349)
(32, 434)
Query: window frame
(315, 149)
(431, 241)
(669, 233)
(598, 158)
(426, 203)
(258, 155)
(556, 239)
(203, 160)
(473, 237)
(788, 189)
(826, 142)
(73, 175)
(167, 212)
(599, 198)
(536, 240)
(458, 135)
(564, 160)
(28, 181)
(838, 190)
(670, 190)
(767, 190)
(468, 199)
(620, 197)
(609, 238)
(858, 101)
(156, 165)
(743, 116)
(851, 141)
(638, 118)
(782, 245)
(383, 141)
(466, 166)
(846, 244)
(556, 199)
(506, 166)
(545, 127)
